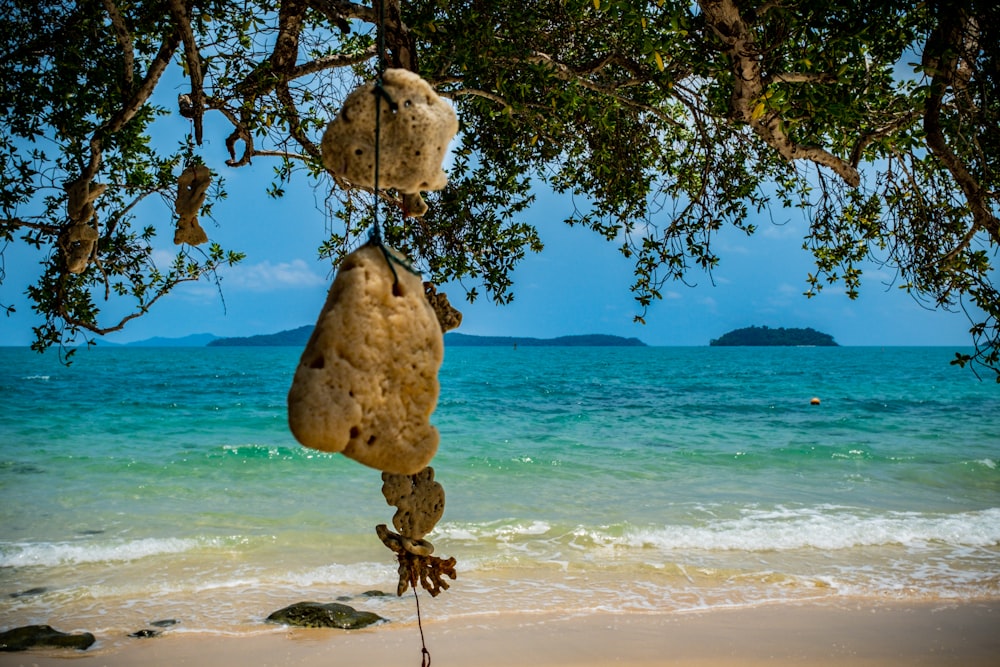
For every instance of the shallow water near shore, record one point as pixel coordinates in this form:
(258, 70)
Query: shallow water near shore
(146, 484)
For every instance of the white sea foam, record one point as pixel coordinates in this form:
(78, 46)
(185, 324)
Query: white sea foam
(24, 554)
(355, 574)
(821, 528)
(779, 529)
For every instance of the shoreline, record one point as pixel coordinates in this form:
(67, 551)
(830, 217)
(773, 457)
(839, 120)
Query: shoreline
(835, 633)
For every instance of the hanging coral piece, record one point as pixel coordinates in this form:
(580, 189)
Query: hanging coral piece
(448, 316)
(80, 238)
(366, 383)
(420, 504)
(191, 188)
(415, 127)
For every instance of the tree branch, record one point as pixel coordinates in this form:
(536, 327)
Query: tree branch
(941, 58)
(867, 138)
(799, 77)
(295, 121)
(133, 105)
(21, 222)
(578, 76)
(178, 10)
(723, 17)
(474, 92)
(124, 41)
(337, 10)
(330, 62)
(399, 40)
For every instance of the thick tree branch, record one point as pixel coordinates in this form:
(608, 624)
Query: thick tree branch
(941, 59)
(281, 63)
(725, 20)
(295, 121)
(340, 10)
(799, 77)
(20, 222)
(870, 136)
(134, 104)
(286, 46)
(124, 38)
(332, 61)
(398, 38)
(178, 10)
(473, 92)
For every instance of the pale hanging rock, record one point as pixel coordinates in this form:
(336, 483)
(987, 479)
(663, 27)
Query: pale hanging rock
(192, 185)
(413, 138)
(79, 240)
(366, 383)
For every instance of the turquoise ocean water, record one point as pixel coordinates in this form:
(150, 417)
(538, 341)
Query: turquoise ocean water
(142, 484)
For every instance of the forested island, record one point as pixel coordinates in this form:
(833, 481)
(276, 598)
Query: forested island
(765, 336)
(588, 340)
(298, 337)
(288, 338)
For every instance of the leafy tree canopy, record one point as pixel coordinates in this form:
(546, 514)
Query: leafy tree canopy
(877, 118)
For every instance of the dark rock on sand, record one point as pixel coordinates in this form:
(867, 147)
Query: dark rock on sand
(28, 636)
(366, 594)
(318, 615)
(28, 593)
(145, 633)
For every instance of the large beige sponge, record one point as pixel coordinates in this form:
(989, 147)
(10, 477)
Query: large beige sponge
(366, 383)
(412, 139)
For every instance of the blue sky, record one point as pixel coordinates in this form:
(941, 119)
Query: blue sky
(578, 284)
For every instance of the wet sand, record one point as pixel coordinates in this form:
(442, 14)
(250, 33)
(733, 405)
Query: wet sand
(856, 633)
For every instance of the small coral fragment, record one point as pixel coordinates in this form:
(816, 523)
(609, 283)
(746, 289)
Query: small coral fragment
(428, 571)
(419, 501)
(191, 188)
(448, 316)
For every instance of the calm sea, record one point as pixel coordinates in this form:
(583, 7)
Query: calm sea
(147, 484)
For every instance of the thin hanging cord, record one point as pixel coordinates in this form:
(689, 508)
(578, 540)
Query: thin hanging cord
(380, 93)
(425, 655)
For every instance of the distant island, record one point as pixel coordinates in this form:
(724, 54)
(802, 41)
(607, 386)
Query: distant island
(588, 340)
(764, 336)
(299, 337)
(290, 338)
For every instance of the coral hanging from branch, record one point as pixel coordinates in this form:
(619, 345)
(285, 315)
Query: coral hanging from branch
(191, 188)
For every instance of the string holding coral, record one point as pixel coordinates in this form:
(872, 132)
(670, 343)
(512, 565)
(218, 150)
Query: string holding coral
(366, 383)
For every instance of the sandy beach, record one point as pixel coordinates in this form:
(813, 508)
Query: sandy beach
(845, 633)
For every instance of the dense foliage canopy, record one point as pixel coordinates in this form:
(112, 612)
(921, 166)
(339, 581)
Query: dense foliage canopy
(878, 119)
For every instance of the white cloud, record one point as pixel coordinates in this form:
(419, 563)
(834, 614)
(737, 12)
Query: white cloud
(268, 277)
(261, 277)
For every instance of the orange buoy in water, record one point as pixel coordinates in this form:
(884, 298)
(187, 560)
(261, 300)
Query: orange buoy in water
(814, 401)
